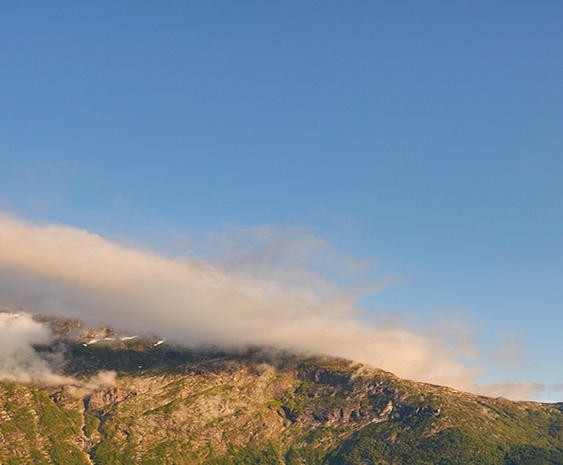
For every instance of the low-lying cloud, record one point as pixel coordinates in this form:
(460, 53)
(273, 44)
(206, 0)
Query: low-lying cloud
(71, 272)
(19, 362)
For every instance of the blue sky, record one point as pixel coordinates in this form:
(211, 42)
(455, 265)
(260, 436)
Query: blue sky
(424, 135)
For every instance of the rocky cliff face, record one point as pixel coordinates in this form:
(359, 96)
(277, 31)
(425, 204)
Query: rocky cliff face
(210, 407)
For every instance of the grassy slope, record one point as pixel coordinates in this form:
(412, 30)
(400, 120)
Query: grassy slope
(216, 408)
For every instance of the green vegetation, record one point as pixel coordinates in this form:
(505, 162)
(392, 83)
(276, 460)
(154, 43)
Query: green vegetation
(212, 408)
(90, 425)
(37, 457)
(62, 453)
(166, 408)
(34, 415)
(21, 420)
(106, 453)
(251, 454)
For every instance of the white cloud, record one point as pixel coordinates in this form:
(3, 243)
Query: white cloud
(19, 361)
(262, 296)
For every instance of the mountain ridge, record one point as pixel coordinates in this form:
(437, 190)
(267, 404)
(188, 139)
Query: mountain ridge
(170, 405)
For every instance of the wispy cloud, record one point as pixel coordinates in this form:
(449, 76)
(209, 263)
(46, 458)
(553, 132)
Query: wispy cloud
(19, 361)
(258, 289)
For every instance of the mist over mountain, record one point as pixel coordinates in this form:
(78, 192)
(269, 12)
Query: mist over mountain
(261, 297)
(124, 400)
(126, 356)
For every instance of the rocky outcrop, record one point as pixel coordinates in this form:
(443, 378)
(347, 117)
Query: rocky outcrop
(182, 407)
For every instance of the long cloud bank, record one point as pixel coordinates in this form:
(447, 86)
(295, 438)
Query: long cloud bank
(66, 271)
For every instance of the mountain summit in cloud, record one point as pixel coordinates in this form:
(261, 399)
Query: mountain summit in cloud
(61, 270)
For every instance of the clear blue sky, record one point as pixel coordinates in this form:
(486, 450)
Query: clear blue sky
(427, 135)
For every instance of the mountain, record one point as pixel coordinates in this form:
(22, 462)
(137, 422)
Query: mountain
(176, 406)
